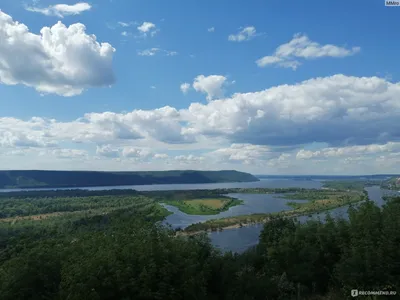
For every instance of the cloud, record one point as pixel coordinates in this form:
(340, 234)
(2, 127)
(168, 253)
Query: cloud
(245, 34)
(125, 152)
(211, 85)
(134, 152)
(154, 51)
(161, 156)
(125, 24)
(148, 28)
(61, 60)
(302, 47)
(242, 153)
(211, 29)
(189, 159)
(15, 133)
(107, 151)
(162, 124)
(62, 10)
(351, 152)
(338, 110)
(185, 87)
(67, 153)
(125, 33)
(354, 118)
(19, 139)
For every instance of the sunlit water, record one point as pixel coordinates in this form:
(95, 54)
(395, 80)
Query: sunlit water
(253, 203)
(263, 183)
(238, 239)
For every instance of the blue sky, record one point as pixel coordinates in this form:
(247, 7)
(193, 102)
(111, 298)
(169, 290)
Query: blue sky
(271, 87)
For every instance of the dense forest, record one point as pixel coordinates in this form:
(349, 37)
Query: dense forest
(49, 179)
(392, 183)
(124, 253)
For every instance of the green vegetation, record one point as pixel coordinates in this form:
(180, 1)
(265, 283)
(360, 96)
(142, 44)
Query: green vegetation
(50, 179)
(315, 201)
(34, 206)
(391, 184)
(357, 185)
(123, 253)
(182, 195)
(205, 206)
(320, 200)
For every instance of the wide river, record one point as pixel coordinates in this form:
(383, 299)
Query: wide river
(240, 239)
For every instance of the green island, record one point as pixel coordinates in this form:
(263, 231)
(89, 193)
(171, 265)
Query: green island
(205, 206)
(55, 179)
(78, 244)
(392, 183)
(314, 201)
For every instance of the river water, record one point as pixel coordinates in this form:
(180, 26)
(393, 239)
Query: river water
(239, 239)
(263, 183)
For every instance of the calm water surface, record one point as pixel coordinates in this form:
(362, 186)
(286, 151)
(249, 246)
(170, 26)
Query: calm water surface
(253, 203)
(240, 239)
(263, 183)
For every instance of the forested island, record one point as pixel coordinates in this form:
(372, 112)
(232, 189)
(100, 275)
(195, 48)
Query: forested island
(315, 201)
(110, 245)
(392, 183)
(59, 179)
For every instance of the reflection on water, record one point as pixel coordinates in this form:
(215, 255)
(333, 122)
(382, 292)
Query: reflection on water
(240, 239)
(263, 183)
(252, 204)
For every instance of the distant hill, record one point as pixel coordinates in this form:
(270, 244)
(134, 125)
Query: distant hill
(330, 177)
(54, 179)
(392, 183)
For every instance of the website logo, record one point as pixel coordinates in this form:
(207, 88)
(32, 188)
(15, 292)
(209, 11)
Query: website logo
(392, 3)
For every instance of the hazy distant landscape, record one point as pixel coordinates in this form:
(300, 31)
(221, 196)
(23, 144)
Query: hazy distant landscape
(55, 179)
(199, 150)
(68, 235)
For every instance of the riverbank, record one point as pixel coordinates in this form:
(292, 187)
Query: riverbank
(205, 206)
(318, 201)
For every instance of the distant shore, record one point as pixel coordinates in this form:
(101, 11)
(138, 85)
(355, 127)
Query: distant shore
(311, 207)
(30, 179)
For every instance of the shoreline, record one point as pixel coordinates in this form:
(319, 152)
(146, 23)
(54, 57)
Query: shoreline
(229, 227)
(265, 220)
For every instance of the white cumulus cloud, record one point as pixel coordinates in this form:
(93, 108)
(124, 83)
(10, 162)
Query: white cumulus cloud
(355, 119)
(61, 10)
(107, 151)
(61, 60)
(338, 110)
(211, 85)
(350, 152)
(126, 24)
(135, 152)
(245, 34)
(154, 51)
(243, 153)
(148, 28)
(67, 153)
(301, 46)
(185, 87)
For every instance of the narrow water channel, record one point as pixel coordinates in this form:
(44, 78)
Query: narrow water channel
(240, 239)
